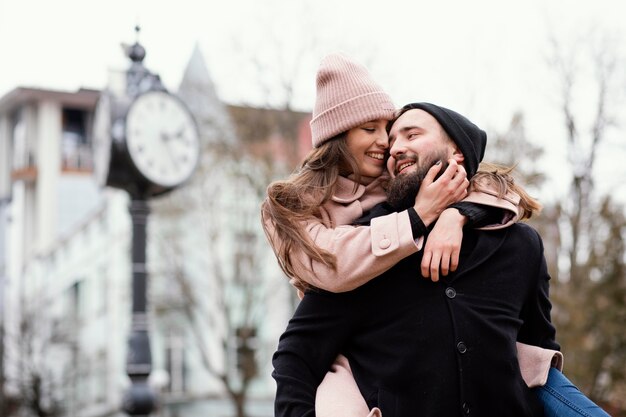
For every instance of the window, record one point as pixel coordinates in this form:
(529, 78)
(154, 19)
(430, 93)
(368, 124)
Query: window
(102, 296)
(75, 150)
(100, 377)
(76, 301)
(22, 155)
(175, 363)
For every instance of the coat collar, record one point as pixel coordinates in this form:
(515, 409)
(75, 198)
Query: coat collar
(346, 193)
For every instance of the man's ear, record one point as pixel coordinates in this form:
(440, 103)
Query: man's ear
(457, 155)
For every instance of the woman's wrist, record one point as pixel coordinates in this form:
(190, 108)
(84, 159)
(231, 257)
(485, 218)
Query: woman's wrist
(453, 215)
(426, 214)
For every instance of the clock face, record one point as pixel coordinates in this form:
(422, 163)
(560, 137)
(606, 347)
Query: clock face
(162, 138)
(102, 138)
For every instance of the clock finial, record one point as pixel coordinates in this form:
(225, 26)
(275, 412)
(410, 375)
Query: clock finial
(136, 52)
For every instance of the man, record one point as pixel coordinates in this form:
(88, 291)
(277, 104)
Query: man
(418, 348)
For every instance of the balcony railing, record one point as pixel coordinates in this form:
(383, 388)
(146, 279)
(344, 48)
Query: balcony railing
(78, 158)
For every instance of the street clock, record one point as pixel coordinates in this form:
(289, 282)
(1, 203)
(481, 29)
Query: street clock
(162, 139)
(145, 141)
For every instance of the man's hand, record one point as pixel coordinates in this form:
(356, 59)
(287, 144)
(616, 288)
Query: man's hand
(443, 245)
(435, 196)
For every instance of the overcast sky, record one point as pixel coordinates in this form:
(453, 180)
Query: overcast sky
(484, 58)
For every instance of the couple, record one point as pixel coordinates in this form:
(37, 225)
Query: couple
(403, 345)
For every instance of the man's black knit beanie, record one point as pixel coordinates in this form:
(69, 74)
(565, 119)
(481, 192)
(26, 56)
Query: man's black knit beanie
(470, 139)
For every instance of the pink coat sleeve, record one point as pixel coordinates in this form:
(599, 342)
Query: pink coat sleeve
(362, 252)
(535, 363)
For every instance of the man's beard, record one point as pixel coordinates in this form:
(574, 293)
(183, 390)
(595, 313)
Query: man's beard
(402, 190)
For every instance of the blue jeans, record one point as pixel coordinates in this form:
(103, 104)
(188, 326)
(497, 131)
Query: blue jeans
(561, 398)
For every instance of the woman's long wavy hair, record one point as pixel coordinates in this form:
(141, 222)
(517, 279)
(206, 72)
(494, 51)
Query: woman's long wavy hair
(501, 178)
(291, 203)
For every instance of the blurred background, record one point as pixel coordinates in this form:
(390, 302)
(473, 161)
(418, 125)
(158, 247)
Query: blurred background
(546, 79)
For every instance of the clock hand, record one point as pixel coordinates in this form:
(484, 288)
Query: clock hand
(179, 133)
(166, 138)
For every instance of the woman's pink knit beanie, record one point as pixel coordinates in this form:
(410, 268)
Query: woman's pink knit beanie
(346, 97)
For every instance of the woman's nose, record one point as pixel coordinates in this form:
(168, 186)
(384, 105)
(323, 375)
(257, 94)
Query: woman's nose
(383, 140)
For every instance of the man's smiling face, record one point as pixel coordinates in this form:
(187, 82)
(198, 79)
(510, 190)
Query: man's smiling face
(415, 138)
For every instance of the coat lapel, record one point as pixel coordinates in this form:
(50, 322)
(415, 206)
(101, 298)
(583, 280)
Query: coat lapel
(484, 246)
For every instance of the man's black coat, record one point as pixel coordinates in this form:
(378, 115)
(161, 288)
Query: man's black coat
(424, 349)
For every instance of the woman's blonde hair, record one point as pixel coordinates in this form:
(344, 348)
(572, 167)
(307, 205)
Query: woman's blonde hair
(291, 203)
(501, 179)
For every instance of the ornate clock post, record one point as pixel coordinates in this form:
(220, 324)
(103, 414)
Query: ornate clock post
(145, 142)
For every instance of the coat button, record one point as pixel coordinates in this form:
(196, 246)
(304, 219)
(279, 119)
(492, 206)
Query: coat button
(384, 243)
(450, 292)
(461, 347)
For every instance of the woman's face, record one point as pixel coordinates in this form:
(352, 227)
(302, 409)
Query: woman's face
(368, 144)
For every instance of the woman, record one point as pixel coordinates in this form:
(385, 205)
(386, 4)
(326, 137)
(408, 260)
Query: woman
(307, 216)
